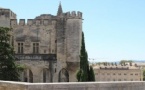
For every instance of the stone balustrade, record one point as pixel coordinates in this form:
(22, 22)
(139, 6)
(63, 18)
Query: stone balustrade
(47, 57)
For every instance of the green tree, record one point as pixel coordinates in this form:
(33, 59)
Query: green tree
(112, 63)
(79, 75)
(91, 74)
(125, 61)
(84, 65)
(8, 68)
(83, 73)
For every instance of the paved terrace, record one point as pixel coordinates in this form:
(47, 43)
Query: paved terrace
(121, 85)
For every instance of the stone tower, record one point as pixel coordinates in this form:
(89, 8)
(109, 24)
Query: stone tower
(69, 28)
(5, 16)
(48, 46)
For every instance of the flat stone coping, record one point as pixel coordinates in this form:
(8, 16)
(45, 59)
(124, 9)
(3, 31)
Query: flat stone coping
(63, 83)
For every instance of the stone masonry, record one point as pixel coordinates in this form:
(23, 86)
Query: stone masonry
(48, 46)
(117, 85)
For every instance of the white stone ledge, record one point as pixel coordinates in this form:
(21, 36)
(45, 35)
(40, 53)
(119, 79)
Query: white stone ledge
(112, 85)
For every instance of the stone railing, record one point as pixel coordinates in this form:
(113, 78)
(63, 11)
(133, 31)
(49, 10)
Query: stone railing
(118, 85)
(47, 57)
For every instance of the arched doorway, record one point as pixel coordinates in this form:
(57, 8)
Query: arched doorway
(46, 75)
(63, 75)
(28, 75)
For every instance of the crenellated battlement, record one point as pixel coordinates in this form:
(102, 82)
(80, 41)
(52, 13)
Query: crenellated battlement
(13, 22)
(22, 22)
(74, 14)
(37, 22)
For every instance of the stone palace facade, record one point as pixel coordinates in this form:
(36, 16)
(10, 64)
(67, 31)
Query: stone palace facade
(48, 46)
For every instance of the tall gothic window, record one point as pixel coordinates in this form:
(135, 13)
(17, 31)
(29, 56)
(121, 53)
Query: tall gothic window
(35, 47)
(20, 47)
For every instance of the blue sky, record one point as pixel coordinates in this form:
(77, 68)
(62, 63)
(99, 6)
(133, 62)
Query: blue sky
(114, 29)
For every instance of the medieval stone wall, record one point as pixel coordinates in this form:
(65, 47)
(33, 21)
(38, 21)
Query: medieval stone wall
(59, 35)
(33, 31)
(5, 16)
(69, 29)
(73, 44)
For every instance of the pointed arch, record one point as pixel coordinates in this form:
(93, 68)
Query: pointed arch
(25, 78)
(46, 75)
(28, 75)
(63, 75)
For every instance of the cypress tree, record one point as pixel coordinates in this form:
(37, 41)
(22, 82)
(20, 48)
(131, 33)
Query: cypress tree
(84, 61)
(91, 74)
(8, 69)
(85, 73)
(82, 75)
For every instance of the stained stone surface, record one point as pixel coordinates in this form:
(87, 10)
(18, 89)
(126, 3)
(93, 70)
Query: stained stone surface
(117, 85)
(59, 35)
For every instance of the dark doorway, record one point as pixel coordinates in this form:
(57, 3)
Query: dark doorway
(63, 75)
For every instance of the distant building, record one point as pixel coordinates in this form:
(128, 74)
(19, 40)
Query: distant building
(140, 65)
(117, 73)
